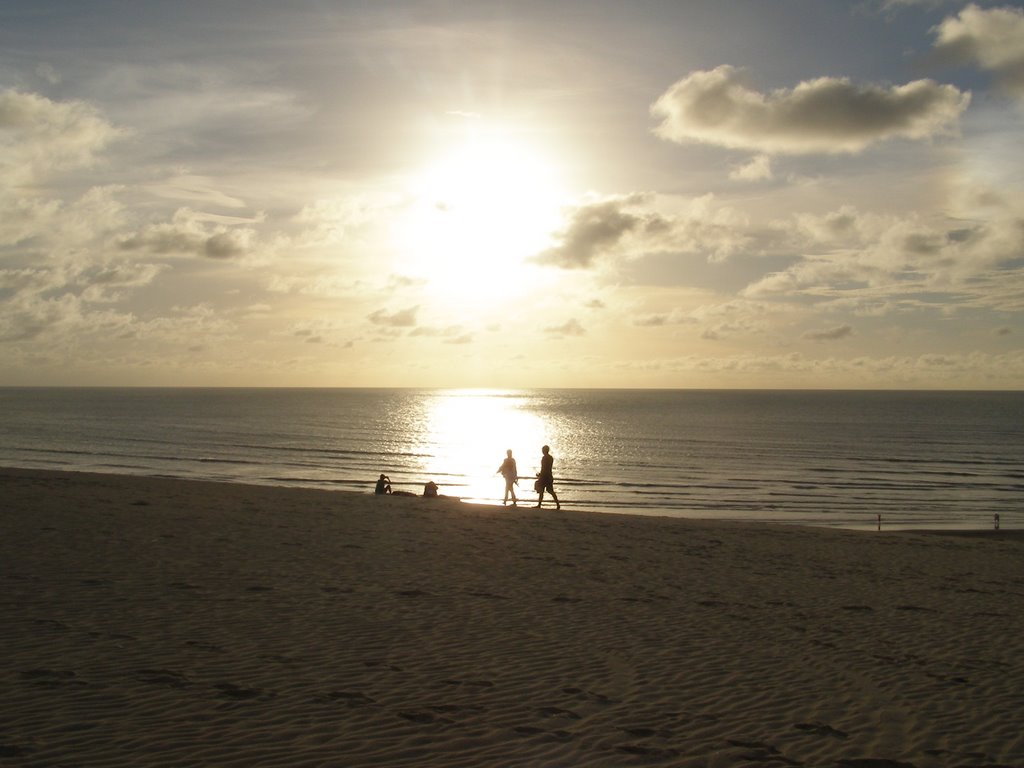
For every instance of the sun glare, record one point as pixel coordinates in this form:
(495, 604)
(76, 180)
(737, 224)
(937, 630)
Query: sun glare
(479, 213)
(469, 433)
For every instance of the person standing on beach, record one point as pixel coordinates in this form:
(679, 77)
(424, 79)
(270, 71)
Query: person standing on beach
(511, 474)
(546, 477)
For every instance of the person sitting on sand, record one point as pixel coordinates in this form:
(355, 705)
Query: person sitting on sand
(511, 474)
(430, 489)
(383, 485)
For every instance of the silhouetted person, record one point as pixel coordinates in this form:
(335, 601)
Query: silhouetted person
(430, 489)
(546, 477)
(511, 474)
(383, 485)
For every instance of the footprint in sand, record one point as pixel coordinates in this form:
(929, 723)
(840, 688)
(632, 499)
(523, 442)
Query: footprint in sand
(820, 729)
(557, 712)
(470, 683)
(645, 733)
(763, 753)
(203, 646)
(383, 665)
(51, 678)
(352, 699)
(423, 718)
(529, 730)
(50, 624)
(162, 677)
(412, 593)
(652, 752)
(488, 595)
(232, 691)
(600, 698)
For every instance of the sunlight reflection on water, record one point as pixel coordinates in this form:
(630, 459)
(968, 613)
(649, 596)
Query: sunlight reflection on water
(467, 434)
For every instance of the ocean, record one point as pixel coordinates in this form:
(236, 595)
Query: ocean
(918, 459)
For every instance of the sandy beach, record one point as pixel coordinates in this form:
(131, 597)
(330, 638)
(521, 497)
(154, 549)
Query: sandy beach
(162, 622)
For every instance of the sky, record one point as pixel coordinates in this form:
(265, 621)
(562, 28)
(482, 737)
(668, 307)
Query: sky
(662, 193)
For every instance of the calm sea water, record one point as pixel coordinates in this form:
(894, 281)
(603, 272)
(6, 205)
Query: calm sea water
(826, 458)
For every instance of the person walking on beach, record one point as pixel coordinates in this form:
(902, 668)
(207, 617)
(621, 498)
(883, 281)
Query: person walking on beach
(511, 474)
(546, 477)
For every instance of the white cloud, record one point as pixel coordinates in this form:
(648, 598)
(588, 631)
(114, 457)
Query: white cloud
(571, 327)
(403, 318)
(884, 262)
(596, 228)
(25, 217)
(627, 226)
(192, 233)
(825, 115)
(39, 136)
(327, 221)
(194, 188)
(992, 38)
(910, 371)
(758, 168)
(830, 334)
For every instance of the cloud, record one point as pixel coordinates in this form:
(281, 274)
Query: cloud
(39, 136)
(196, 189)
(595, 228)
(228, 244)
(193, 233)
(25, 217)
(953, 370)
(571, 327)
(660, 319)
(633, 225)
(888, 262)
(450, 332)
(895, 5)
(327, 221)
(831, 334)
(993, 39)
(403, 318)
(827, 115)
(65, 297)
(758, 168)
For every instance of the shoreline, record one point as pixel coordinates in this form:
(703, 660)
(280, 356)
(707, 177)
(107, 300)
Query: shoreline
(178, 622)
(980, 528)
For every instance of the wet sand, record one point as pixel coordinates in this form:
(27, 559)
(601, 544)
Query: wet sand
(166, 622)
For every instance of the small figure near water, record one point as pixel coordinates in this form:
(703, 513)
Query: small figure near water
(546, 477)
(511, 474)
(430, 489)
(383, 485)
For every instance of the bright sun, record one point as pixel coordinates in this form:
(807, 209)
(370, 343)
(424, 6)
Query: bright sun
(479, 213)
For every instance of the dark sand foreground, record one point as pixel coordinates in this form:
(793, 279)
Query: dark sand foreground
(163, 622)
